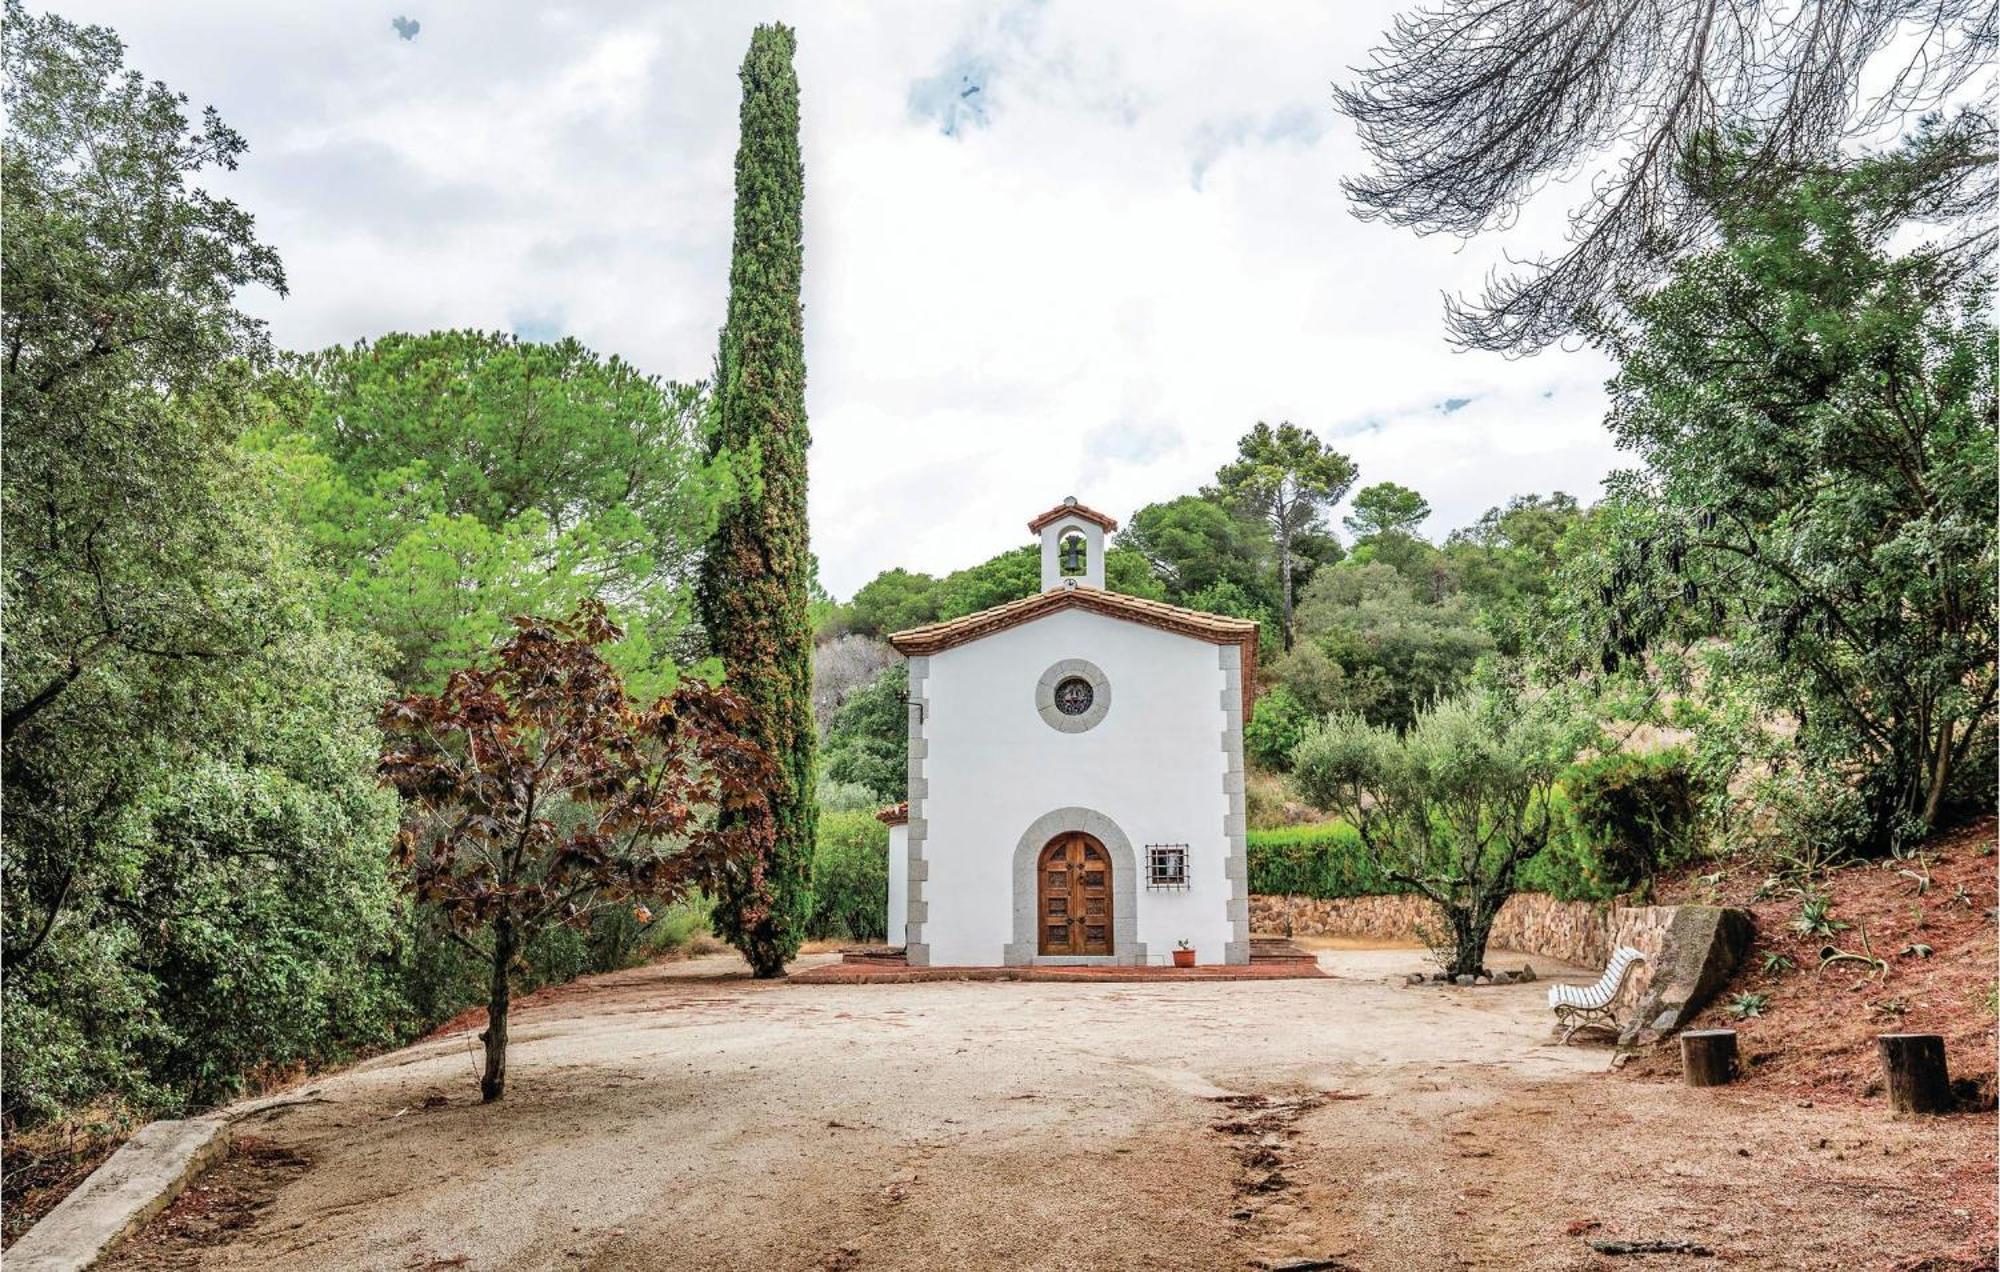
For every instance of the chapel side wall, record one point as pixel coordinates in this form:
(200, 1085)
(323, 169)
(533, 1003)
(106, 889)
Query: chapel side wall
(1156, 766)
(899, 883)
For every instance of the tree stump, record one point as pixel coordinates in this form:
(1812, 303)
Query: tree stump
(1915, 1069)
(1708, 1057)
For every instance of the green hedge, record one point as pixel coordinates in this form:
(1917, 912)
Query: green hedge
(1327, 861)
(1324, 860)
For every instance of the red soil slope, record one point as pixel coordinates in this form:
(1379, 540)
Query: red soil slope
(1816, 1037)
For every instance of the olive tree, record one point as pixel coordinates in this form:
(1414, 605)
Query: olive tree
(1452, 806)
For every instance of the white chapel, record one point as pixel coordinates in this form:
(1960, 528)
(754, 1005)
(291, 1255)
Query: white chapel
(1076, 775)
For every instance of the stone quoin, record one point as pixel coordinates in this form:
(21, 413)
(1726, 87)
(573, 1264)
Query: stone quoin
(1076, 775)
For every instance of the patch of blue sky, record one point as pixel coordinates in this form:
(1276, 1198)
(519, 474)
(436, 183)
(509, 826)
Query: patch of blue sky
(1288, 126)
(1357, 428)
(955, 99)
(537, 329)
(1130, 442)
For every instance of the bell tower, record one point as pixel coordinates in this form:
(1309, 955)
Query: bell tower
(1072, 544)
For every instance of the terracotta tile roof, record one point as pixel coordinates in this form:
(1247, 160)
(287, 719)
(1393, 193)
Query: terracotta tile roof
(894, 814)
(1213, 628)
(1077, 510)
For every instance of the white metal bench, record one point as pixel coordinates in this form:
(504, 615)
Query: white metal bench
(1577, 1006)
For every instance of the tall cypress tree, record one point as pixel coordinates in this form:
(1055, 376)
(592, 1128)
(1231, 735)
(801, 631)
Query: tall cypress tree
(753, 588)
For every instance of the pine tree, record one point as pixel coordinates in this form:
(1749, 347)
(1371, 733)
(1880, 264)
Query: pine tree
(753, 590)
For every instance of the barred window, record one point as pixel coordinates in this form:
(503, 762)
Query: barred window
(1166, 867)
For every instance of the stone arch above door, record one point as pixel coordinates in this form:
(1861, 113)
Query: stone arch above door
(1125, 947)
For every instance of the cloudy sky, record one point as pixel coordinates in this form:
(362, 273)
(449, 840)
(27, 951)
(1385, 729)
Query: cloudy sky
(1051, 248)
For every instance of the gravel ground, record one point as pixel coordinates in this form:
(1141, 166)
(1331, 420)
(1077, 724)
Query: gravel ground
(682, 1116)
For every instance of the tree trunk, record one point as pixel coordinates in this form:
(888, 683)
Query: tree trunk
(1914, 1066)
(1708, 1057)
(1470, 928)
(1939, 777)
(493, 1083)
(1284, 584)
(765, 956)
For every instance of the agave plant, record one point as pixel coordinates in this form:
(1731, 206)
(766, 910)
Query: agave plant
(1815, 917)
(1744, 1006)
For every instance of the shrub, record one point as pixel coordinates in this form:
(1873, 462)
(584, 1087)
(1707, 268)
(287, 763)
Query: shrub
(1276, 724)
(241, 917)
(1619, 820)
(1633, 813)
(1325, 861)
(682, 929)
(850, 879)
(438, 978)
(848, 797)
(1264, 801)
(627, 936)
(1567, 868)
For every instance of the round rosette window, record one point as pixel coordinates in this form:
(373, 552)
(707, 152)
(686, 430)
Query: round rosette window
(1073, 695)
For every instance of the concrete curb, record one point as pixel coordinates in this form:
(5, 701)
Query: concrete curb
(138, 1182)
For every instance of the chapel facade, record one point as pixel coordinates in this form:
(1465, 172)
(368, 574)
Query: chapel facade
(1075, 775)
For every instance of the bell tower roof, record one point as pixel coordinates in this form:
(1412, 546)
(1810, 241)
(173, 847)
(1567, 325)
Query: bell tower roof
(1075, 511)
(1072, 544)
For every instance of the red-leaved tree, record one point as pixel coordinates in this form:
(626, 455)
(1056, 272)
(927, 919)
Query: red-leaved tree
(537, 793)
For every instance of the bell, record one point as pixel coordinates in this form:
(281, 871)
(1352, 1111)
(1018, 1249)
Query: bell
(1072, 555)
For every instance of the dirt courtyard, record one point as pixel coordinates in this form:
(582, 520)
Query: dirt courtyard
(682, 1116)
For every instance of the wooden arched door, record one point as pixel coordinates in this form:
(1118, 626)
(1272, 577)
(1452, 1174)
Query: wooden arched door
(1074, 905)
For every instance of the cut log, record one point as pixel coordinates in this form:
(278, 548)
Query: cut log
(1913, 1065)
(1655, 1247)
(1708, 1057)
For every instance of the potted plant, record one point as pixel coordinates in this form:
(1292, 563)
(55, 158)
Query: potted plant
(1183, 955)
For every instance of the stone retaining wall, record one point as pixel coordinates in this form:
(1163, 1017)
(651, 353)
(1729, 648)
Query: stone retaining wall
(1580, 932)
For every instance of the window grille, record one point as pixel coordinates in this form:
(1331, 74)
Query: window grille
(1166, 867)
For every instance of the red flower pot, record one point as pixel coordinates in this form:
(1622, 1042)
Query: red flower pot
(1183, 958)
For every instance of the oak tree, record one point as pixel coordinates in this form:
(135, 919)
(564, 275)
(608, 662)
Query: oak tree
(118, 344)
(1815, 407)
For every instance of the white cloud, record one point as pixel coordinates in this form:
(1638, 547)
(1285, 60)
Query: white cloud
(1089, 276)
